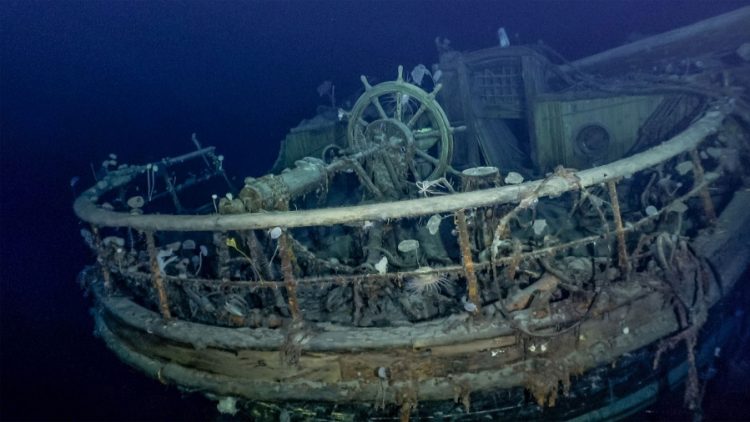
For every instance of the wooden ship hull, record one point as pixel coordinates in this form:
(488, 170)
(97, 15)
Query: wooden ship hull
(581, 294)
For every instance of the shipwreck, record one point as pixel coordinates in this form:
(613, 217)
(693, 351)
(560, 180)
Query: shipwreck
(509, 235)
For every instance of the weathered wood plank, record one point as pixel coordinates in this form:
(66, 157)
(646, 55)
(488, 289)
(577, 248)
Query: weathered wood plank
(480, 371)
(243, 363)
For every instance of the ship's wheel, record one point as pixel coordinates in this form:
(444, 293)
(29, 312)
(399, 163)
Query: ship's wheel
(407, 118)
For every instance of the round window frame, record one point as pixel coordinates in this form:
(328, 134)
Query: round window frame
(583, 154)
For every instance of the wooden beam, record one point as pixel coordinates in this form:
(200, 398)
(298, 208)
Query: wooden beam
(719, 34)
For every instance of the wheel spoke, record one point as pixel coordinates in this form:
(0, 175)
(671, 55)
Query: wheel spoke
(427, 157)
(376, 102)
(399, 107)
(427, 134)
(416, 116)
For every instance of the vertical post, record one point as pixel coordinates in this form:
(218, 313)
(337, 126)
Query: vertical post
(287, 257)
(698, 176)
(256, 254)
(156, 277)
(533, 83)
(358, 303)
(172, 191)
(620, 230)
(464, 90)
(100, 259)
(222, 253)
(468, 262)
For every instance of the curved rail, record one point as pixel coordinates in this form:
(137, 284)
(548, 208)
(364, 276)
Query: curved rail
(86, 208)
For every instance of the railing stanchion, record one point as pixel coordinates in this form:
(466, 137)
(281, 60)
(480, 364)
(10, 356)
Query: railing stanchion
(698, 176)
(100, 259)
(619, 229)
(468, 262)
(287, 269)
(156, 276)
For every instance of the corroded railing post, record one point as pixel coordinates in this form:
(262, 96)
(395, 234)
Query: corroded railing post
(287, 269)
(619, 229)
(156, 276)
(468, 262)
(100, 258)
(698, 176)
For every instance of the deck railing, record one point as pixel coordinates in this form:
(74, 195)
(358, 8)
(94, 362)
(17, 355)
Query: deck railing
(179, 264)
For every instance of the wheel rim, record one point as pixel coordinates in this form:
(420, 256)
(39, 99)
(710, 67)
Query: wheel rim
(405, 116)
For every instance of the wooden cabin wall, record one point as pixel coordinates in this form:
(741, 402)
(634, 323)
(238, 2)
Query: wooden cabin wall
(557, 123)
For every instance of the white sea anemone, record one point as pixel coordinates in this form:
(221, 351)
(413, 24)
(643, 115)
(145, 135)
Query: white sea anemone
(468, 305)
(513, 178)
(275, 233)
(684, 167)
(136, 202)
(382, 266)
(227, 406)
(433, 224)
(214, 197)
(426, 282)
(408, 245)
(539, 226)
(203, 252)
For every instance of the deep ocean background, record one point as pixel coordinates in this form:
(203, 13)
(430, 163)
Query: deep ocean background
(80, 80)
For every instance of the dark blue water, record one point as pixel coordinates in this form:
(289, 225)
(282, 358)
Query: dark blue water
(79, 80)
